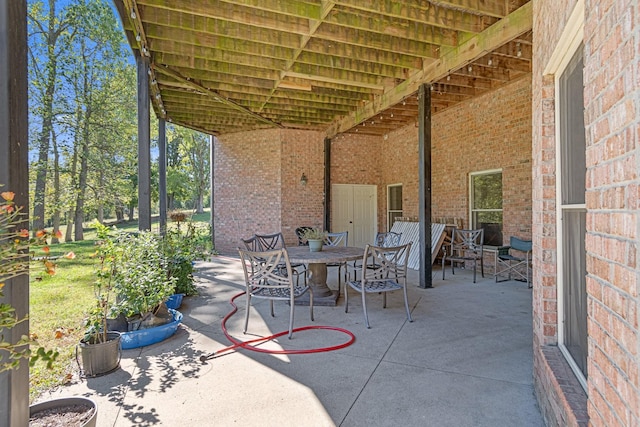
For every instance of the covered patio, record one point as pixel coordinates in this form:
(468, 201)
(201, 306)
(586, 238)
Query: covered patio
(286, 86)
(466, 360)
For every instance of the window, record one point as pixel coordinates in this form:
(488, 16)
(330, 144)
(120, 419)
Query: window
(394, 204)
(486, 204)
(572, 216)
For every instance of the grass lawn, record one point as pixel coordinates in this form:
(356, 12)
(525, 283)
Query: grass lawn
(58, 304)
(57, 307)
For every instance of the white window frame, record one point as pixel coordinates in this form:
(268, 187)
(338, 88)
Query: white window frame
(472, 201)
(389, 211)
(568, 44)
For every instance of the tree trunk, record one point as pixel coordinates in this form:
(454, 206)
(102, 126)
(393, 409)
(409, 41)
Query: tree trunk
(56, 189)
(47, 119)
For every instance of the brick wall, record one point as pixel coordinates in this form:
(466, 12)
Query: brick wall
(611, 37)
(612, 102)
(258, 173)
(489, 132)
(258, 186)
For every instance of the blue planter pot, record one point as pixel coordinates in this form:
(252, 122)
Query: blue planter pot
(144, 337)
(174, 301)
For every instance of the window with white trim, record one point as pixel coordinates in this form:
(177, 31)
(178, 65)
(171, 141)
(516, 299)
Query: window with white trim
(485, 201)
(572, 216)
(394, 204)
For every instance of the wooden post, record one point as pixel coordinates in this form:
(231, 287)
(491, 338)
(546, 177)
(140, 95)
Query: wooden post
(327, 184)
(424, 178)
(144, 146)
(14, 176)
(162, 174)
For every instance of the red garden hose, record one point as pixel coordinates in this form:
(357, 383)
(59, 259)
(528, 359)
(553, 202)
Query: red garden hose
(247, 344)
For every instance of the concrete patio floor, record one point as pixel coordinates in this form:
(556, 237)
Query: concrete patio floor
(466, 360)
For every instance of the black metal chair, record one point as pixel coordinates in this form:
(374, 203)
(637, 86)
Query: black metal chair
(300, 234)
(466, 246)
(509, 264)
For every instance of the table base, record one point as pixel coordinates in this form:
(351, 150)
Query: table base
(323, 301)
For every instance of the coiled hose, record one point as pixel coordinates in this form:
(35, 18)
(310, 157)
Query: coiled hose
(248, 344)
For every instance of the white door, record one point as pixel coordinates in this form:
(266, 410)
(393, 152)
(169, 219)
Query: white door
(354, 209)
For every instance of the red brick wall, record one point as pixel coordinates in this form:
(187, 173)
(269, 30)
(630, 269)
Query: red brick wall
(302, 205)
(489, 132)
(612, 94)
(258, 188)
(611, 37)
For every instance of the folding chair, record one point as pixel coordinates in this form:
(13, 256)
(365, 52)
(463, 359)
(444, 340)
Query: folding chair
(509, 264)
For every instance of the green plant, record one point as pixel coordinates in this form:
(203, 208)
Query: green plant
(109, 256)
(181, 249)
(139, 274)
(314, 234)
(14, 262)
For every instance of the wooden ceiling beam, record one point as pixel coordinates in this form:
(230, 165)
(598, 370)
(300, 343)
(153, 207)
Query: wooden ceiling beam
(391, 26)
(435, 15)
(220, 10)
(362, 53)
(355, 37)
(507, 29)
(213, 94)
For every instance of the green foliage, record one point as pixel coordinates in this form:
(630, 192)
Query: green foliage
(136, 271)
(314, 234)
(181, 249)
(14, 262)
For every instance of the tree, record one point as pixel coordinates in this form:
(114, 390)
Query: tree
(50, 36)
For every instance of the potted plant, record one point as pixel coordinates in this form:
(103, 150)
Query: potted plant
(100, 349)
(315, 237)
(136, 273)
(180, 250)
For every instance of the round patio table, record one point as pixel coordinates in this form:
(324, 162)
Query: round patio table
(317, 265)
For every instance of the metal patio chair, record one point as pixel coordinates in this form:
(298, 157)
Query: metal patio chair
(264, 279)
(512, 264)
(383, 240)
(269, 242)
(388, 275)
(466, 246)
(337, 239)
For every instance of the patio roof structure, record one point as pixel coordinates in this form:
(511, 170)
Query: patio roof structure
(332, 66)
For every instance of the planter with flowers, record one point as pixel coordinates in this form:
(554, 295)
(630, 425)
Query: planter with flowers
(315, 238)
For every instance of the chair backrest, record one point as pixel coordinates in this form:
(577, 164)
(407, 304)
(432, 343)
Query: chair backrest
(263, 269)
(270, 242)
(520, 245)
(251, 244)
(336, 239)
(468, 239)
(388, 262)
(300, 234)
(388, 239)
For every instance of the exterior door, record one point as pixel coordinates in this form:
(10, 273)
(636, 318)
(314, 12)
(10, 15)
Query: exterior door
(354, 209)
